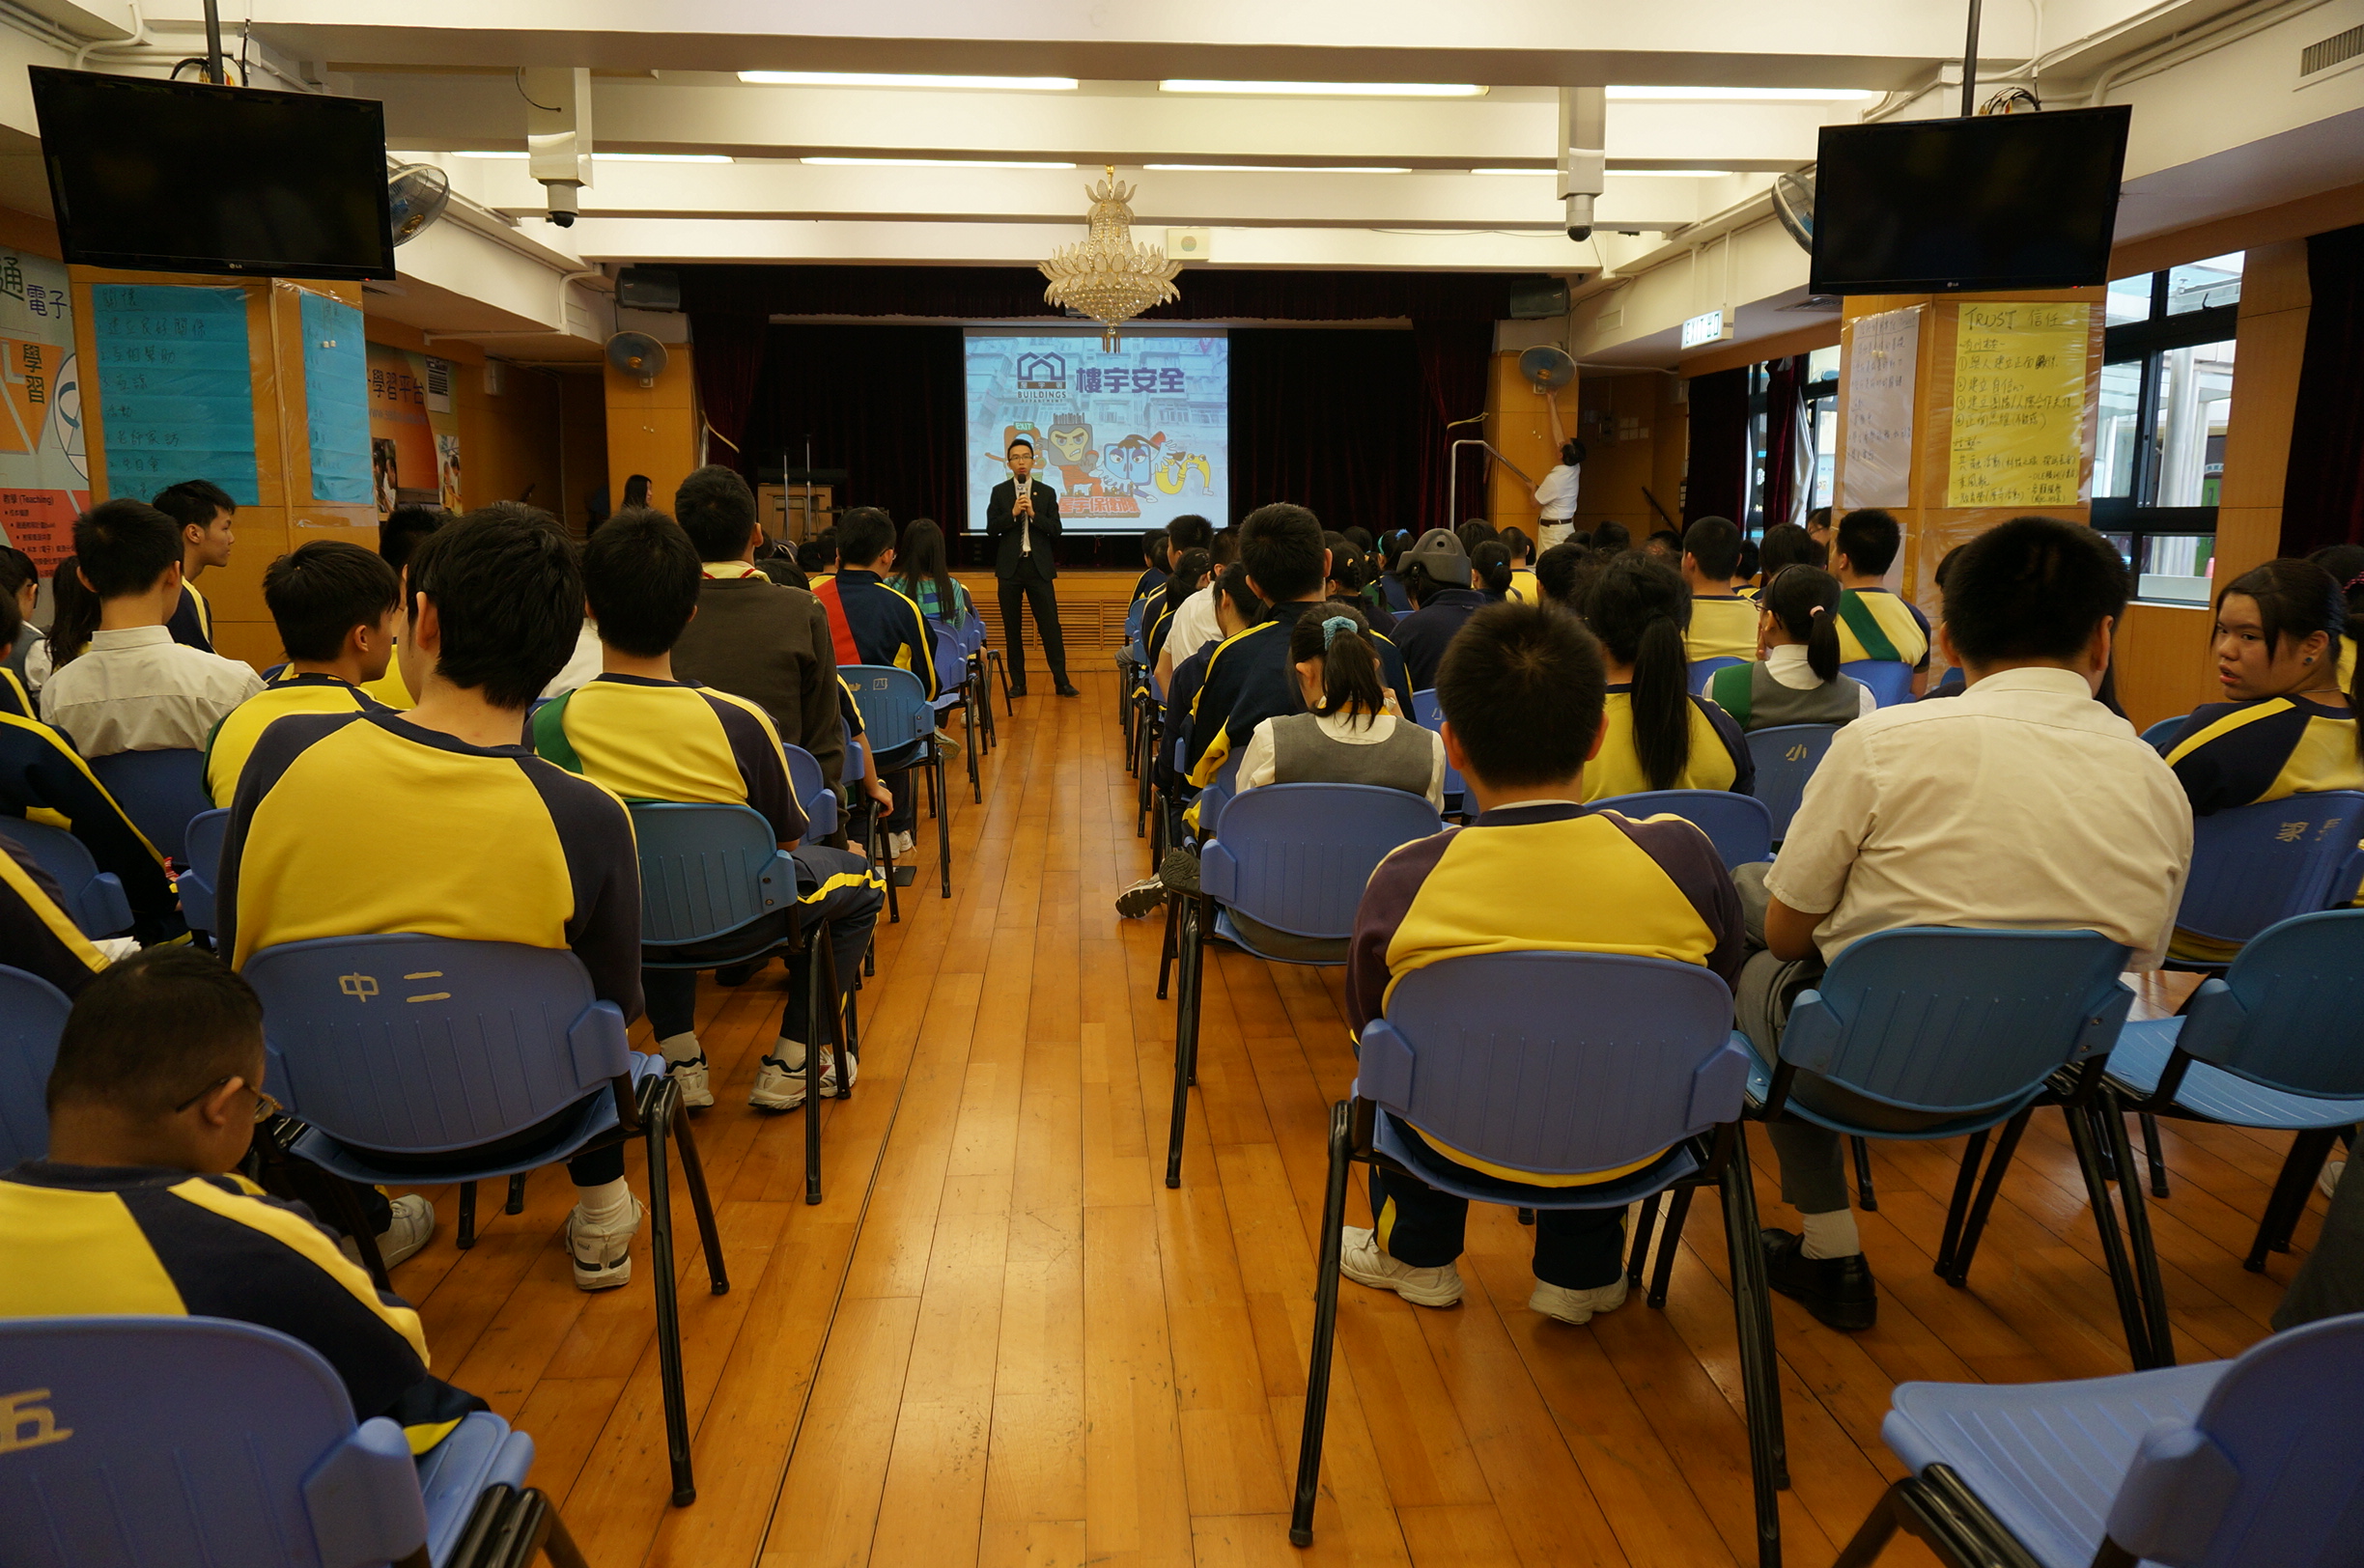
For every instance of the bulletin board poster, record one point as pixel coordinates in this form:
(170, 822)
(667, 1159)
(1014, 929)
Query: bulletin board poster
(176, 390)
(2018, 406)
(44, 477)
(414, 429)
(1882, 358)
(336, 415)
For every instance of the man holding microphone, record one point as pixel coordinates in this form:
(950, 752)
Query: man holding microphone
(1022, 522)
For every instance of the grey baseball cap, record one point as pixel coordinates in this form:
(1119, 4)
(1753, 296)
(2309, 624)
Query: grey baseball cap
(1439, 554)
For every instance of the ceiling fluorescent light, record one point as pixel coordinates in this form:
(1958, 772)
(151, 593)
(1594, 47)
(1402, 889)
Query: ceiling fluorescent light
(932, 163)
(1513, 171)
(877, 79)
(1269, 168)
(621, 157)
(1741, 95)
(1184, 84)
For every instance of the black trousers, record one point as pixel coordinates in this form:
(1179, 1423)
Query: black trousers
(1575, 1249)
(1044, 599)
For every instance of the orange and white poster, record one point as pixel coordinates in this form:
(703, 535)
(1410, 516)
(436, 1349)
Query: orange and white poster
(414, 429)
(44, 477)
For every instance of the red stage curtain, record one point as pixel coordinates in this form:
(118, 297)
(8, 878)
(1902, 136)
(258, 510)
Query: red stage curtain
(1784, 435)
(1717, 485)
(727, 350)
(1453, 376)
(883, 403)
(1329, 419)
(2323, 495)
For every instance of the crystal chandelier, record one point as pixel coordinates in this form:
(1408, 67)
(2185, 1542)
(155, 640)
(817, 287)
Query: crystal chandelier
(1107, 277)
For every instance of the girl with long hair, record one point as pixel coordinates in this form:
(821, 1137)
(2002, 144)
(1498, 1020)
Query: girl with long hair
(923, 576)
(1655, 735)
(1796, 680)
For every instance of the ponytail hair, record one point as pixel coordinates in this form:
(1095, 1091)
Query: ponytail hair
(1189, 575)
(1640, 610)
(1335, 632)
(1490, 566)
(1805, 601)
(2296, 599)
(73, 617)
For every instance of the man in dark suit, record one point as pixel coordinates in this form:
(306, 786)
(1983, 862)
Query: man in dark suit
(1022, 521)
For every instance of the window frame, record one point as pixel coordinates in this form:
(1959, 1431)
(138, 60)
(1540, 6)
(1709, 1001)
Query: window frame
(2145, 342)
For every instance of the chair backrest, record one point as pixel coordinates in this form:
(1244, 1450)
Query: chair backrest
(1703, 670)
(813, 794)
(1556, 1063)
(203, 878)
(1133, 619)
(952, 664)
(2264, 1472)
(94, 899)
(2254, 865)
(1786, 756)
(2159, 733)
(1739, 824)
(1392, 589)
(2289, 1012)
(155, 1440)
(1890, 680)
(423, 1045)
(32, 1015)
(895, 707)
(1947, 1020)
(1429, 714)
(160, 791)
(1295, 857)
(706, 870)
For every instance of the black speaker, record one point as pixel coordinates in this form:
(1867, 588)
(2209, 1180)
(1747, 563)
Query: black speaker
(1536, 300)
(659, 288)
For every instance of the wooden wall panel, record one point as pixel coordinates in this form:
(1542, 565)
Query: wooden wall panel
(653, 430)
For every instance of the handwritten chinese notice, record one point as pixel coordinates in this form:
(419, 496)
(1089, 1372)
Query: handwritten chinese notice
(1882, 358)
(175, 395)
(2018, 404)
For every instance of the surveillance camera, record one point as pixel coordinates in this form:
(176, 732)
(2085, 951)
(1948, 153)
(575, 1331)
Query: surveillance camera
(562, 202)
(1580, 233)
(563, 220)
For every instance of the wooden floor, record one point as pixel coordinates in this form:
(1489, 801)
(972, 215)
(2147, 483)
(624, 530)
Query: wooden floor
(1002, 1341)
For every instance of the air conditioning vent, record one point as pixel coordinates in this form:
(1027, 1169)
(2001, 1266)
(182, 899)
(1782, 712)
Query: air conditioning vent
(2339, 49)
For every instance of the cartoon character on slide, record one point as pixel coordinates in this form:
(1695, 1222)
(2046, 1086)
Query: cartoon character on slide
(1130, 462)
(1071, 439)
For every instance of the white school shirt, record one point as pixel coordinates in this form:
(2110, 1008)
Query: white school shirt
(2022, 802)
(1193, 625)
(1557, 494)
(1787, 664)
(136, 689)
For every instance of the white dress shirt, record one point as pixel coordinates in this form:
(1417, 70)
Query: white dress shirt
(1557, 494)
(136, 689)
(583, 665)
(2022, 802)
(1787, 664)
(1193, 625)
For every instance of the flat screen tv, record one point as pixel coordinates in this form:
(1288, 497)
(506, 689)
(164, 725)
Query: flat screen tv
(187, 177)
(1995, 202)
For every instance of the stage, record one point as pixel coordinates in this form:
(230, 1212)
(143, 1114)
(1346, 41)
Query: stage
(1091, 604)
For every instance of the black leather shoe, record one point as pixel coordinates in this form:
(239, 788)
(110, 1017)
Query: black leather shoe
(1017, 688)
(1838, 1291)
(1067, 689)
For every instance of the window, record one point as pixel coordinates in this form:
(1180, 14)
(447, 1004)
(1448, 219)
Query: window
(2165, 408)
(1820, 395)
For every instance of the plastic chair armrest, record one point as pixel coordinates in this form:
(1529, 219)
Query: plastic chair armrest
(2175, 1495)
(2102, 1027)
(601, 1043)
(103, 902)
(364, 1498)
(1810, 1038)
(1718, 1085)
(779, 880)
(1383, 1067)
(1218, 867)
(2212, 1021)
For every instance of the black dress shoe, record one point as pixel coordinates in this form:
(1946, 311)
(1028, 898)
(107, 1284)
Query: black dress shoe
(1067, 689)
(1017, 688)
(1838, 1291)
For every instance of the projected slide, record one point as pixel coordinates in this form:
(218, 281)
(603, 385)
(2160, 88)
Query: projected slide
(1130, 440)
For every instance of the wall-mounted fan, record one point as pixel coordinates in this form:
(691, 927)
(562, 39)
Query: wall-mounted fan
(637, 355)
(1793, 203)
(416, 194)
(1547, 369)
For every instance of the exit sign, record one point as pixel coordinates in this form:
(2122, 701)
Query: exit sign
(1712, 327)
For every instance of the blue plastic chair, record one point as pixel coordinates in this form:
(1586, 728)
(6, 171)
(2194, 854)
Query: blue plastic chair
(1786, 757)
(198, 884)
(160, 791)
(1392, 589)
(2159, 733)
(1977, 1029)
(1291, 857)
(1890, 680)
(188, 1440)
(1740, 825)
(901, 724)
(32, 1015)
(428, 1049)
(1429, 714)
(1560, 1064)
(94, 898)
(813, 794)
(1700, 671)
(2239, 1463)
(2256, 865)
(957, 694)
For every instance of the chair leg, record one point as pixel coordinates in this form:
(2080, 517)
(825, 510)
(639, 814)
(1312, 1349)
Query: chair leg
(1325, 1326)
(1760, 1371)
(1646, 1225)
(825, 985)
(467, 1216)
(2085, 1139)
(882, 855)
(669, 1306)
(943, 828)
(1864, 1196)
(1996, 1164)
(2289, 1200)
(1526, 1216)
(1186, 1029)
(701, 1205)
(815, 940)
(357, 1225)
(2138, 1234)
(517, 1195)
(1669, 1242)
(1958, 1210)
(1166, 953)
(969, 731)
(2152, 1155)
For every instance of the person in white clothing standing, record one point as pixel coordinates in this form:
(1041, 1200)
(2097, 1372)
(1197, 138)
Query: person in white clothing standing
(1557, 494)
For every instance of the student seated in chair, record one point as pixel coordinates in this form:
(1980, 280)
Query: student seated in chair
(527, 852)
(1797, 682)
(1874, 623)
(205, 513)
(137, 1208)
(334, 604)
(398, 537)
(1655, 734)
(1523, 693)
(1155, 553)
(35, 933)
(1723, 624)
(2021, 804)
(2286, 728)
(1436, 571)
(638, 730)
(135, 688)
(871, 624)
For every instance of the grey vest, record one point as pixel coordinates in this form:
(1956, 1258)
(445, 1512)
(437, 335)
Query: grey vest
(1770, 703)
(1301, 754)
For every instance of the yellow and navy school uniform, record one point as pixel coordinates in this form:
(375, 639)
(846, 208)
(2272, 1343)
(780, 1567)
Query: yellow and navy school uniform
(502, 847)
(1723, 626)
(2239, 754)
(1250, 679)
(35, 933)
(13, 697)
(1875, 624)
(389, 689)
(1719, 752)
(43, 779)
(1654, 888)
(871, 624)
(236, 731)
(1148, 582)
(192, 620)
(1524, 587)
(97, 1241)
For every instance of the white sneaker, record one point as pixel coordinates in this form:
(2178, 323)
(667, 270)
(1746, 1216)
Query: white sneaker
(1576, 1306)
(778, 1086)
(690, 1076)
(602, 1253)
(413, 1223)
(828, 1071)
(898, 845)
(1361, 1260)
(2328, 1184)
